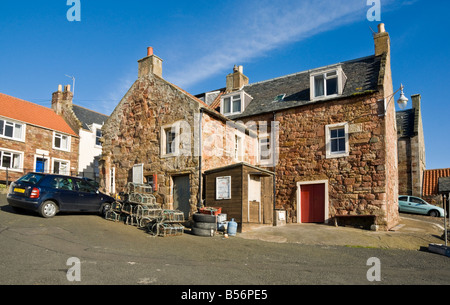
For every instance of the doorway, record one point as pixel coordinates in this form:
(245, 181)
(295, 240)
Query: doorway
(182, 194)
(312, 202)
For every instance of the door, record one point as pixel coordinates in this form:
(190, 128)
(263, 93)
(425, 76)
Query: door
(89, 200)
(312, 198)
(417, 205)
(40, 165)
(182, 194)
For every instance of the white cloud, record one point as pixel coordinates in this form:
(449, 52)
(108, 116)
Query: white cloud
(264, 26)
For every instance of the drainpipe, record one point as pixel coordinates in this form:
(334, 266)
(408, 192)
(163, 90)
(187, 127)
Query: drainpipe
(274, 166)
(199, 204)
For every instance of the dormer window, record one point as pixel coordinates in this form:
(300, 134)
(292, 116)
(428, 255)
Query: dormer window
(328, 83)
(234, 103)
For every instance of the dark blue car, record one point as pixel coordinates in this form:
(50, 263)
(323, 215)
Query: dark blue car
(49, 194)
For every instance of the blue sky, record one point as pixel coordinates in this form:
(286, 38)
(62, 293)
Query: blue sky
(200, 42)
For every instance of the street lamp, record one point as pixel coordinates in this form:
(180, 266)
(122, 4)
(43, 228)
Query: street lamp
(402, 101)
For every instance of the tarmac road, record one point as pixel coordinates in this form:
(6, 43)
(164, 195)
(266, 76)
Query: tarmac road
(35, 251)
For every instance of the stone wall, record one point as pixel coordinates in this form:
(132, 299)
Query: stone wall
(358, 182)
(134, 135)
(38, 140)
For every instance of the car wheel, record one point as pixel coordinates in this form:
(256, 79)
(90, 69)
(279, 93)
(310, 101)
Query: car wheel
(106, 207)
(433, 213)
(48, 209)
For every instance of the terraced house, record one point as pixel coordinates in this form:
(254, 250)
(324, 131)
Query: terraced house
(34, 138)
(327, 134)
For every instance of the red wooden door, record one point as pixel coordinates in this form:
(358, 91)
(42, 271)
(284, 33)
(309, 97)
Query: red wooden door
(313, 203)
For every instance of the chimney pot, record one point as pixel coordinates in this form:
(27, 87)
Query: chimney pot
(149, 51)
(381, 28)
(59, 88)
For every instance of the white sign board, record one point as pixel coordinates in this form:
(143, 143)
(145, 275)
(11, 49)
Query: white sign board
(138, 173)
(223, 188)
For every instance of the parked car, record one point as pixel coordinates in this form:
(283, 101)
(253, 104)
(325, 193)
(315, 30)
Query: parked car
(411, 204)
(49, 194)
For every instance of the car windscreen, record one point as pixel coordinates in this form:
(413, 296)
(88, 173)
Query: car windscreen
(31, 178)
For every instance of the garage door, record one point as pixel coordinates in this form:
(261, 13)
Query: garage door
(312, 203)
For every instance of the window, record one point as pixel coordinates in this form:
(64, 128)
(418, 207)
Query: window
(11, 130)
(232, 104)
(85, 186)
(327, 83)
(337, 140)
(170, 140)
(61, 141)
(265, 152)
(98, 136)
(11, 160)
(61, 167)
(238, 148)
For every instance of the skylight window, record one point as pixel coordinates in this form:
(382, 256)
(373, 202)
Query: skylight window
(279, 98)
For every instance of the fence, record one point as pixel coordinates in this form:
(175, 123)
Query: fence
(10, 175)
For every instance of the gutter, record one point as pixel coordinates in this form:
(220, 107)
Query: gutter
(200, 188)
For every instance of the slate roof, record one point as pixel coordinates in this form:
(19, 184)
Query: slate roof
(88, 117)
(27, 112)
(362, 77)
(406, 123)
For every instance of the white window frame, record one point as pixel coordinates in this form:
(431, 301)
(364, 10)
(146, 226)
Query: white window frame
(67, 162)
(328, 129)
(238, 147)
(341, 80)
(13, 123)
(57, 134)
(265, 159)
(175, 128)
(232, 98)
(12, 152)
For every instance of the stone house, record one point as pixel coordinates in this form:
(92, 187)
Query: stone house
(335, 150)
(411, 149)
(88, 125)
(34, 138)
(328, 135)
(161, 135)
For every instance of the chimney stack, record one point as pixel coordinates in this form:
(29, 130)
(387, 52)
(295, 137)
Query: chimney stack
(62, 98)
(382, 41)
(151, 64)
(237, 79)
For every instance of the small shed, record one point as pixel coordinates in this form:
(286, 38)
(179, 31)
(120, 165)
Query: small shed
(243, 191)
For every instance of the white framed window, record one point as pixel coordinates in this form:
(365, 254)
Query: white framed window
(265, 152)
(60, 166)
(170, 140)
(238, 147)
(232, 104)
(98, 136)
(11, 160)
(336, 137)
(61, 141)
(12, 130)
(328, 83)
